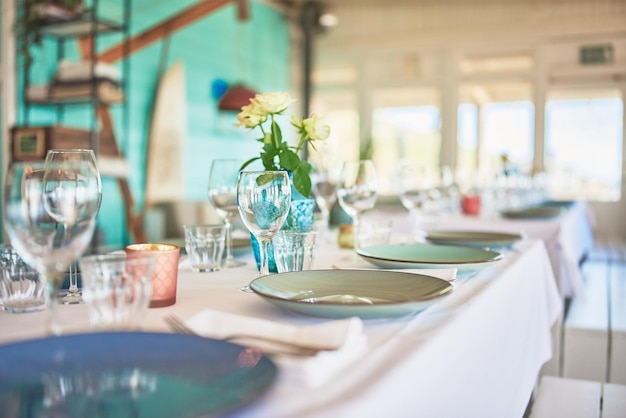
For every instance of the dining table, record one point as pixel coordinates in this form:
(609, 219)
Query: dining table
(566, 230)
(476, 352)
(565, 227)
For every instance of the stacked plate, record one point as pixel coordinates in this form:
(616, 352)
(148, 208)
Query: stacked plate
(465, 259)
(533, 212)
(478, 239)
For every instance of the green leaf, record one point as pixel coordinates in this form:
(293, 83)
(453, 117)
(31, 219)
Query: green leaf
(306, 167)
(289, 160)
(302, 181)
(278, 133)
(265, 179)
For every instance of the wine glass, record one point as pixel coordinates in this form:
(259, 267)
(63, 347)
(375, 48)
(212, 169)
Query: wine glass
(357, 191)
(263, 200)
(40, 239)
(223, 196)
(415, 190)
(65, 212)
(414, 185)
(324, 179)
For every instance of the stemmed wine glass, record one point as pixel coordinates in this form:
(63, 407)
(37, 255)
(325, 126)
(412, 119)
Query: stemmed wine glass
(40, 238)
(357, 191)
(414, 185)
(324, 179)
(223, 196)
(263, 200)
(64, 212)
(415, 189)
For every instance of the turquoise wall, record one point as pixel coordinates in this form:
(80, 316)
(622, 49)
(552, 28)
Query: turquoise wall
(215, 47)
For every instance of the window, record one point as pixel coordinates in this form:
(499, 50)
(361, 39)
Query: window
(583, 144)
(338, 110)
(405, 124)
(494, 119)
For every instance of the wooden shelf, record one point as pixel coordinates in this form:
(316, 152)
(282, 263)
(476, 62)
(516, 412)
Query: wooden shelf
(82, 26)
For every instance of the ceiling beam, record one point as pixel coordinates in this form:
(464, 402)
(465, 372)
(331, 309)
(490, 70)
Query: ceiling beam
(166, 27)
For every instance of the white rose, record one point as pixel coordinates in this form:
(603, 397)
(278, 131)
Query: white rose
(272, 102)
(314, 128)
(251, 116)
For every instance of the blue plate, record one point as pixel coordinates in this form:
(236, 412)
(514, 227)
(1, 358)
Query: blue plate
(130, 374)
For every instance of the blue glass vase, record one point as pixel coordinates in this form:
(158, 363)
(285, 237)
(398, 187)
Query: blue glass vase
(300, 218)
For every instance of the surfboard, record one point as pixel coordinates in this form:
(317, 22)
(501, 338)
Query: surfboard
(164, 171)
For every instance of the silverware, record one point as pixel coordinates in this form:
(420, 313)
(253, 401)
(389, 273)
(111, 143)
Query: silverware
(267, 345)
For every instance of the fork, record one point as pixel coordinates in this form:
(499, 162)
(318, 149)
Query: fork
(179, 326)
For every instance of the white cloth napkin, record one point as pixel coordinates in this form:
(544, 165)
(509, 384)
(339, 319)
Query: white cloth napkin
(345, 336)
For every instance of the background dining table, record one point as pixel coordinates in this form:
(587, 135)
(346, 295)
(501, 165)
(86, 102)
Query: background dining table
(475, 353)
(568, 237)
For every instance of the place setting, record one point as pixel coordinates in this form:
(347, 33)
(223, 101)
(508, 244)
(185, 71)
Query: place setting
(474, 238)
(467, 260)
(334, 293)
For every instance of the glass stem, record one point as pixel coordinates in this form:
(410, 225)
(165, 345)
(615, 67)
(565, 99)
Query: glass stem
(264, 253)
(325, 224)
(355, 231)
(229, 252)
(53, 326)
(73, 280)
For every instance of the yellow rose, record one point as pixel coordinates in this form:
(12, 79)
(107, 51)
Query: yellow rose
(314, 128)
(274, 102)
(251, 116)
(276, 152)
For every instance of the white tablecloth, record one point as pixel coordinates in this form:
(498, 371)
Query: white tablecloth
(476, 353)
(568, 237)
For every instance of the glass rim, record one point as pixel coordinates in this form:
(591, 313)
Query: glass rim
(213, 226)
(116, 257)
(293, 232)
(282, 172)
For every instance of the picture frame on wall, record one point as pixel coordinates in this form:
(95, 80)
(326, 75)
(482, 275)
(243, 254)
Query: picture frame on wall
(28, 143)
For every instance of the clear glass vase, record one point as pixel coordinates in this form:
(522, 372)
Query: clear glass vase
(300, 218)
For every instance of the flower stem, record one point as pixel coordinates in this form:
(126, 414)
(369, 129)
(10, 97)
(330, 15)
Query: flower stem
(274, 136)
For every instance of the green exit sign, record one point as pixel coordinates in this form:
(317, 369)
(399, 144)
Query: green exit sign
(596, 54)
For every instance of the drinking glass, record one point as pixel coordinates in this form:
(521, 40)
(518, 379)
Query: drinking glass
(50, 243)
(414, 185)
(223, 196)
(63, 212)
(357, 191)
(263, 200)
(324, 179)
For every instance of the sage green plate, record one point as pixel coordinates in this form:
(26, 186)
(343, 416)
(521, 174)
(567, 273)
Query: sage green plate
(427, 256)
(479, 239)
(367, 294)
(533, 212)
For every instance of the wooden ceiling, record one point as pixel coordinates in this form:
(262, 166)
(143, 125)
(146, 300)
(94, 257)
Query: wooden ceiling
(371, 23)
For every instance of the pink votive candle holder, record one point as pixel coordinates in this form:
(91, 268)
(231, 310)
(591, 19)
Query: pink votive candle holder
(164, 271)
